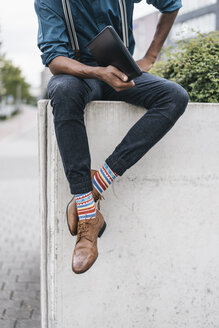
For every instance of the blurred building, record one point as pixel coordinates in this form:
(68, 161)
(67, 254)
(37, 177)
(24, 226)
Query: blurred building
(196, 15)
(144, 29)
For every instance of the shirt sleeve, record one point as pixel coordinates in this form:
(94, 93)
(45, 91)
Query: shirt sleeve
(52, 38)
(165, 6)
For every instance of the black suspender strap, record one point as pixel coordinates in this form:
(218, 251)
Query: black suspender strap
(71, 28)
(122, 5)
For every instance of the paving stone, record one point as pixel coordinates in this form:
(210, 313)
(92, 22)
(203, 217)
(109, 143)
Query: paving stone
(8, 264)
(7, 323)
(20, 271)
(8, 277)
(9, 304)
(28, 278)
(5, 294)
(33, 286)
(24, 295)
(36, 315)
(32, 266)
(31, 304)
(15, 286)
(4, 270)
(28, 324)
(38, 295)
(2, 313)
(2, 285)
(17, 314)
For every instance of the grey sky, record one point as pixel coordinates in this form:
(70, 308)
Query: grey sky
(18, 23)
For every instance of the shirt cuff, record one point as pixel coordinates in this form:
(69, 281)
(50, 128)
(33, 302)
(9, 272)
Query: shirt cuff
(165, 6)
(171, 7)
(47, 58)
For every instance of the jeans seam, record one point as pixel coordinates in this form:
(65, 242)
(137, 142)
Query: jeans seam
(82, 180)
(164, 115)
(66, 119)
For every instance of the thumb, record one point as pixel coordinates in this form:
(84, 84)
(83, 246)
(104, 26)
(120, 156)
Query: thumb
(121, 75)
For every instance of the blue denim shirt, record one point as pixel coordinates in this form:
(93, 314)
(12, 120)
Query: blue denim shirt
(90, 17)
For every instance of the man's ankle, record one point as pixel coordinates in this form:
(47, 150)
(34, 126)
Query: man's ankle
(86, 207)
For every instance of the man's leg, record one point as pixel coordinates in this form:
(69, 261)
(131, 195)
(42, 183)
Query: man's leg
(69, 96)
(165, 102)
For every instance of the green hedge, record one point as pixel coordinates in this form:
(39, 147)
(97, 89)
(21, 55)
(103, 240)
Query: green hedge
(194, 64)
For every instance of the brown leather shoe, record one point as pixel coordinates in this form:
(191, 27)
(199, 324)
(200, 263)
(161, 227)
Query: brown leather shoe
(97, 196)
(71, 210)
(85, 252)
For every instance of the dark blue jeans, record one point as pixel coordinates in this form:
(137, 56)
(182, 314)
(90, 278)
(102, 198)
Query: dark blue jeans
(164, 100)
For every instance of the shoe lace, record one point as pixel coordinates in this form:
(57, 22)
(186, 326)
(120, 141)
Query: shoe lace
(83, 229)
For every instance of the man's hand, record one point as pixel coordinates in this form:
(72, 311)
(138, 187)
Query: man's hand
(115, 78)
(145, 63)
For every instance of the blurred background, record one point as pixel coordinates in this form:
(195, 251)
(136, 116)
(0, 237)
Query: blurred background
(23, 81)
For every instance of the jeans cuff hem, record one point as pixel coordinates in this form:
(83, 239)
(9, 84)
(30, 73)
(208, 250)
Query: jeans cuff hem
(81, 187)
(117, 165)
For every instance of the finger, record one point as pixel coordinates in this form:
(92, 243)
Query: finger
(122, 84)
(129, 84)
(120, 75)
(124, 87)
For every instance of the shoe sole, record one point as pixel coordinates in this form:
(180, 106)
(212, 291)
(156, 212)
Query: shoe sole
(67, 218)
(102, 229)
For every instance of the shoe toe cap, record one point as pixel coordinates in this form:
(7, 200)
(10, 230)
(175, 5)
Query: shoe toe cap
(82, 262)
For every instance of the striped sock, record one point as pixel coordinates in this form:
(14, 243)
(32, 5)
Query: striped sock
(86, 207)
(103, 178)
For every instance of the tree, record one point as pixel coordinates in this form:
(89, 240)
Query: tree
(1, 87)
(11, 79)
(194, 64)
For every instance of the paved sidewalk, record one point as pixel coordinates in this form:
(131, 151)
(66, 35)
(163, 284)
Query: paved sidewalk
(20, 226)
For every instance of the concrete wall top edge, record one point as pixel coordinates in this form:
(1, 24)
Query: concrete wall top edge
(191, 104)
(43, 101)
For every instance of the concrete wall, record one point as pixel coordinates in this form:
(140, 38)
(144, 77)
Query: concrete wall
(158, 264)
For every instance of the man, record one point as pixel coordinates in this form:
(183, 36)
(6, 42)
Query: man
(75, 83)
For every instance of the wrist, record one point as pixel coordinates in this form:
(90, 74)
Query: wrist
(151, 57)
(97, 72)
(87, 71)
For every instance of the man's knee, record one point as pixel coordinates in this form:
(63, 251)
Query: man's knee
(67, 95)
(63, 87)
(178, 100)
